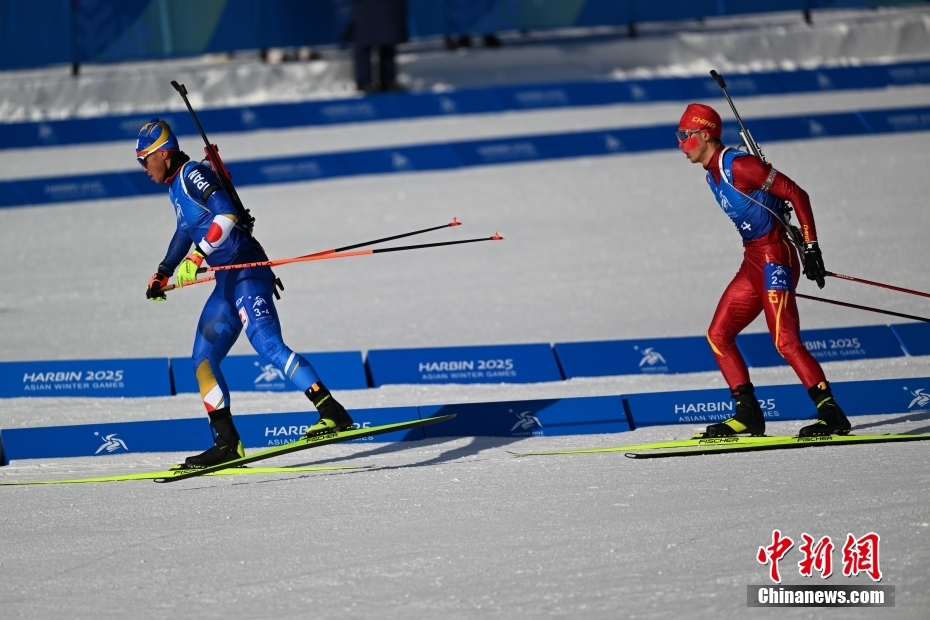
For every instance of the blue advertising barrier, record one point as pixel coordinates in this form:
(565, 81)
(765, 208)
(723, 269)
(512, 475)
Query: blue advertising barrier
(780, 402)
(514, 363)
(96, 378)
(711, 406)
(108, 438)
(3, 459)
(826, 345)
(530, 418)
(634, 357)
(339, 370)
(466, 153)
(914, 337)
(275, 429)
(125, 127)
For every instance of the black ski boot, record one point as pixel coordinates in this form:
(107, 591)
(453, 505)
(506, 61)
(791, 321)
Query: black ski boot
(830, 417)
(227, 446)
(333, 416)
(748, 418)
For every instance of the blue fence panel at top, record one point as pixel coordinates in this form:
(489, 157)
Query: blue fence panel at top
(827, 79)
(276, 429)
(634, 357)
(891, 121)
(826, 345)
(515, 363)
(95, 378)
(738, 85)
(107, 438)
(339, 370)
(914, 337)
(530, 418)
(902, 74)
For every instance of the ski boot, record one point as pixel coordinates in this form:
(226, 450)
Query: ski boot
(226, 443)
(333, 416)
(830, 417)
(748, 418)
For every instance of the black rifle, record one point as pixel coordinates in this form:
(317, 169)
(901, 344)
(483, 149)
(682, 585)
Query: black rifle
(246, 221)
(753, 147)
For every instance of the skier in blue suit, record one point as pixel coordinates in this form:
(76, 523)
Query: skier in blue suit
(241, 299)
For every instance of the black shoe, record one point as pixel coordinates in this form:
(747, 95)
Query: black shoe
(748, 419)
(830, 417)
(226, 443)
(333, 416)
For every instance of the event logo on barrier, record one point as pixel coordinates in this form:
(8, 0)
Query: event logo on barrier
(921, 400)
(341, 370)
(521, 363)
(826, 345)
(530, 418)
(276, 429)
(630, 357)
(111, 443)
(133, 377)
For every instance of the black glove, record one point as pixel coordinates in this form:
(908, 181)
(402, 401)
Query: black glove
(813, 263)
(156, 284)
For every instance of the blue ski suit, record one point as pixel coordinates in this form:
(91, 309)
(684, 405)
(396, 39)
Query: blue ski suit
(242, 298)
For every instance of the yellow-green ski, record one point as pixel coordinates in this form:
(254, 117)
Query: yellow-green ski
(151, 475)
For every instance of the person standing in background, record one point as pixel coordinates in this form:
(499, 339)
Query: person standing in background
(378, 25)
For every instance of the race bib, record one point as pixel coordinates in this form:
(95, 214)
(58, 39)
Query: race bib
(777, 277)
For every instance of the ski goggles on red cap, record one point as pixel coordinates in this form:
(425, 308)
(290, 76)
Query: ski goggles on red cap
(684, 134)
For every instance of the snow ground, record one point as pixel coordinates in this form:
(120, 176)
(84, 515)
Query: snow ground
(596, 248)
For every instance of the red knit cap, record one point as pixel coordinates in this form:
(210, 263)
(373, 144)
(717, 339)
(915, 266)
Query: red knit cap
(700, 116)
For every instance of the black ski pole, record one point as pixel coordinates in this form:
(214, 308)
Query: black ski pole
(867, 308)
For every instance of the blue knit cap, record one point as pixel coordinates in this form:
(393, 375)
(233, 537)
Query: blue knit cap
(153, 136)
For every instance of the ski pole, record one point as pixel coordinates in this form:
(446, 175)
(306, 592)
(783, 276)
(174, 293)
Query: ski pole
(331, 255)
(344, 248)
(867, 308)
(888, 286)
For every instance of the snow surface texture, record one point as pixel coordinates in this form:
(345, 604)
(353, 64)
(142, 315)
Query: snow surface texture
(597, 248)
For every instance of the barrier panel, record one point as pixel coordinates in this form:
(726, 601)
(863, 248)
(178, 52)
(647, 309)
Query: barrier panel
(466, 153)
(914, 337)
(515, 363)
(633, 357)
(96, 378)
(703, 407)
(191, 434)
(3, 460)
(780, 402)
(826, 345)
(339, 370)
(530, 418)
(275, 429)
(125, 127)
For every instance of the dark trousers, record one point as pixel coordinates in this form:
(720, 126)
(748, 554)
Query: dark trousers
(387, 66)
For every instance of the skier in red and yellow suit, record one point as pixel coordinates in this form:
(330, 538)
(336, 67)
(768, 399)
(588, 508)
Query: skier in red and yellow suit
(750, 192)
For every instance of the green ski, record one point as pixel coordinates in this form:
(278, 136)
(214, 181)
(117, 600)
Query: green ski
(675, 443)
(775, 443)
(151, 475)
(307, 442)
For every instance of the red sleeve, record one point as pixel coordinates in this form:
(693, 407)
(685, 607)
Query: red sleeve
(751, 173)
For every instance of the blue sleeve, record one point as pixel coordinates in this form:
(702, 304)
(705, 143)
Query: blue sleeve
(178, 248)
